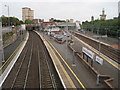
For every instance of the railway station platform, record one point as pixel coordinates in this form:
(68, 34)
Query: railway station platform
(103, 38)
(71, 71)
(65, 78)
(80, 71)
(8, 81)
(9, 63)
(79, 74)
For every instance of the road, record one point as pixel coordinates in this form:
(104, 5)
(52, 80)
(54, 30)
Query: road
(34, 68)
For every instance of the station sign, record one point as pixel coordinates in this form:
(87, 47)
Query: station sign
(99, 60)
(88, 52)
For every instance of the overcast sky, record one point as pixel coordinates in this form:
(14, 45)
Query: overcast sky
(81, 10)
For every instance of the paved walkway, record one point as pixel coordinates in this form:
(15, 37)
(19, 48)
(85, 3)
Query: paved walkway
(105, 69)
(83, 74)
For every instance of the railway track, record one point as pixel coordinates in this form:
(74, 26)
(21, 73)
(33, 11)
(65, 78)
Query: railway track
(107, 50)
(33, 68)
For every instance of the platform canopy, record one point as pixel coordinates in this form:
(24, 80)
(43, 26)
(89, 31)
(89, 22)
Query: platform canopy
(66, 24)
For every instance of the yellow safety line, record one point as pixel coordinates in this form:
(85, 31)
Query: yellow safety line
(116, 66)
(67, 76)
(10, 56)
(93, 39)
(68, 66)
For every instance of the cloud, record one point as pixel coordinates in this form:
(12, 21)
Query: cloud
(60, 1)
(63, 10)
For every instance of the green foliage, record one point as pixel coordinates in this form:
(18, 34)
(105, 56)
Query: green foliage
(7, 35)
(29, 22)
(59, 20)
(103, 27)
(10, 21)
(4, 21)
(21, 22)
(14, 21)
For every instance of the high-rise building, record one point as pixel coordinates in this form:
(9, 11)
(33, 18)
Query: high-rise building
(71, 20)
(103, 15)
(27, 14)
(119, 9)
(67, 20)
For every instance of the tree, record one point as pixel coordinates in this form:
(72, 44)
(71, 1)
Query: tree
(21, 22)
(4, 21)
(59, 20)
(109, 27)
(29, 22)
(14, 21)
(10, 21)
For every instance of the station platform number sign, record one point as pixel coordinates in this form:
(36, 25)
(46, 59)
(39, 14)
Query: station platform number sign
(99, 60)
(88, 52)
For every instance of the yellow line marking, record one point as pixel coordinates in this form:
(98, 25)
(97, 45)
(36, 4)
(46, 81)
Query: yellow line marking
(58, 65)
(96, 41)
(93, 39)
(11, 56)
(116, 66)
(9, 59)
(67, 76)
(3, 61)
(68, 67)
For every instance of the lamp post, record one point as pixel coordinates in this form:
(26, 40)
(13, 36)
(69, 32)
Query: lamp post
(21, 34)
(99, 47)
(50, 31)
(13, 32)
(1, 45)
(106, 31)
(8, 15)
(118, 36)
(72, 43)
(73, 61)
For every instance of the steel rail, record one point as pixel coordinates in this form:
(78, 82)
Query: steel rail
(26, 78)
(51, 76)
(39, 68)
(19, 69)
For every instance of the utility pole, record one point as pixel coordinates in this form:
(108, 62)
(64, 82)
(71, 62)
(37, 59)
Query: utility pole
(99, 47)
(1, 45)
(74, 58)
(8, 15)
